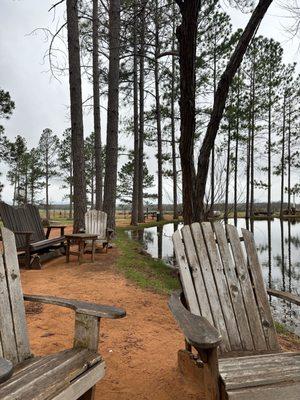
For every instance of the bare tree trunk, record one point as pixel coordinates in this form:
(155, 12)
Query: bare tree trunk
(47, 187)
(289, 157)
(269, 152)
(158, 115)
(227, 172)
(76, 116)
(111, 160)
(283, 156)
(187, 37)
(135, 189)
(173, 137)
(142, 105)
(97, 119)
(237, 134)
(252, 141)
(212, 200)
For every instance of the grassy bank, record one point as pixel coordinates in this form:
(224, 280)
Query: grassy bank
(141, 268)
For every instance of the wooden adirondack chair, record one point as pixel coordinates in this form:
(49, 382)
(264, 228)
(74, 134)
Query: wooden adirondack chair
(96, 224)
(31, 239)
(68, 375)
(225, 316)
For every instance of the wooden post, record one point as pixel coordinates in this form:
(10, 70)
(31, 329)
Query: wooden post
(86, 332)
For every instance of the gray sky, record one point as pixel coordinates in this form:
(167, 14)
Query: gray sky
(42, 101)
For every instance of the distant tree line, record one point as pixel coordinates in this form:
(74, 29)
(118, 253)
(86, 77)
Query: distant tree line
(238, 111)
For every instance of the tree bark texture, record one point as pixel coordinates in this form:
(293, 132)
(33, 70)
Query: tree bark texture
(141, 116)
(135, 192)
(111, 160)
(158, 115)
(76, 116)
(187, 37)
(97, 118)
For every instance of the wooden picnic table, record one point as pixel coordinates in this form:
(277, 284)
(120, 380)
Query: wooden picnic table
(80, 239)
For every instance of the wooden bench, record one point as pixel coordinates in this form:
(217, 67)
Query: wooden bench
(67, 375)
(224, 312)
(31, 239)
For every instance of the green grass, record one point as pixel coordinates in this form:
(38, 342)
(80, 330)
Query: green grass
(142, 269)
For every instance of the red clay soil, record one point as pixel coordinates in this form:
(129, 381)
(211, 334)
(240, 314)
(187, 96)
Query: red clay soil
(140, 350)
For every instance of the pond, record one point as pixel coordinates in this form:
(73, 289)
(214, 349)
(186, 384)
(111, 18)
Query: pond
(278, 245)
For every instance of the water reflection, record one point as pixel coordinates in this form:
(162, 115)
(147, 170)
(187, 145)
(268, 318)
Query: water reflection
(278, 244)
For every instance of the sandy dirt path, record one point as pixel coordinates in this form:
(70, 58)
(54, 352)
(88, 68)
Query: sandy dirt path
(140, 350)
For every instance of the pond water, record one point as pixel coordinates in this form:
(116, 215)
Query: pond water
(278, 245)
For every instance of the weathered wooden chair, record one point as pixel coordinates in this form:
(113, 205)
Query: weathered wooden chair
(225, 316)
(31, 239)
(68, 375)
(96, 224)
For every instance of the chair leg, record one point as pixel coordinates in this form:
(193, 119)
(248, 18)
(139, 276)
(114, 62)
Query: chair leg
(89, 395)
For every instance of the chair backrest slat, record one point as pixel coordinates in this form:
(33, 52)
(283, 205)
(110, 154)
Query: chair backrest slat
(22, 219)
(8, 343)
(234, 288)
(260, 292)
(17, 348)
(222, 287)
(247, 289)
(34, 220)
(223, 281)
(186, 279)
(210, 285)
(96, 223)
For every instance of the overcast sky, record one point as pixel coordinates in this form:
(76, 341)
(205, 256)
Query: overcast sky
(42, 101)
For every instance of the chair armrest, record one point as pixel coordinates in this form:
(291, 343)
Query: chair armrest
(80, 307)
(293, 298)
(196, 329)
(6, 369)
(61, 227)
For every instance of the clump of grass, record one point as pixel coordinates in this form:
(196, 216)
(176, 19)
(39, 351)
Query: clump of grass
(142, 269)
(282, 330)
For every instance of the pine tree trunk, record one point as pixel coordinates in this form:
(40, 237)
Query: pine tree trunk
(142, 105)
(71, 189)
(187, 37)
(111, 160)
(212, 200)
(135, 188)
(158, 115)
(283, 157)
(269, 152)
(97, 120)
(76, 116)
(173, 137)
(47, 183)
(237, 133)
(227, 172)
(289, 158)
(252, 142)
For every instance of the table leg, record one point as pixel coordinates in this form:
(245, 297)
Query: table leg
(81, 250)
(93, 249)
(68, 251)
